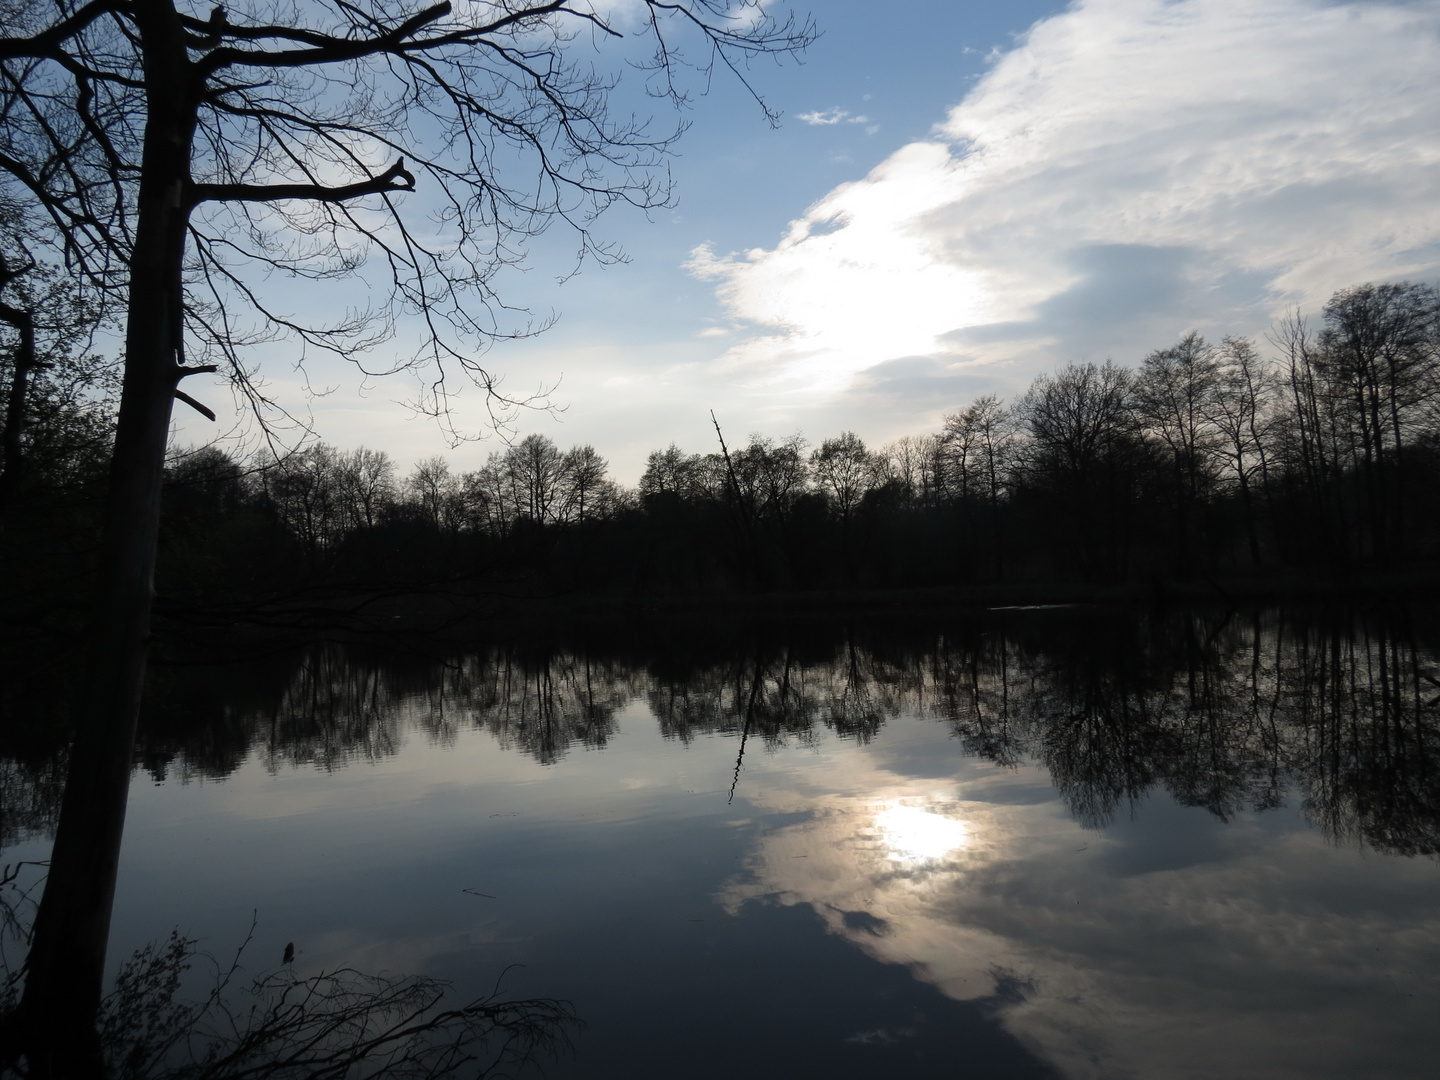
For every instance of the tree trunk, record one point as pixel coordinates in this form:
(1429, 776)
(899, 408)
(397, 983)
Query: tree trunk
(1248, 509)
(25, 362)
(66, 965)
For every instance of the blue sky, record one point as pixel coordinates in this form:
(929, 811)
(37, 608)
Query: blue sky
(960, 196)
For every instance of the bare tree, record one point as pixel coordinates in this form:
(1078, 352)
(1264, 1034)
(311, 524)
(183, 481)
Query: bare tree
(178, 160)
(783, 475)
(1079, 430)
(1381, 344)
(434, 487)
(1243, 414)
(536, 470)
(488, 501)
(974, 446)
(1362, 392)
(304, 489)
(367, 486)
(1073, 418)
(57, 393)
(1308, 438)
(975, 449)
(585, 491)
(911, 461)
(669, 472)
(844, 470)
(1174, 397)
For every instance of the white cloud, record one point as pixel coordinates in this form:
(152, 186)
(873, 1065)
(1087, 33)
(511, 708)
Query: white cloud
(827, 117)
(852, 279)
(1131, 169)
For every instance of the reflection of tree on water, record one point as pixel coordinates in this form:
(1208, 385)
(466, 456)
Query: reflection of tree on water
(765, 692)
(1369, 744)
(1221, 712)
(20, 884)
(545, 705)
(283, 1025)
(331, 713)
(1224, 712)
(853, 711)
(338, 707)
(30, 797)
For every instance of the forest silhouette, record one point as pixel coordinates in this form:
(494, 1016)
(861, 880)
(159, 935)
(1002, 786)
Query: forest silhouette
(1312, 457)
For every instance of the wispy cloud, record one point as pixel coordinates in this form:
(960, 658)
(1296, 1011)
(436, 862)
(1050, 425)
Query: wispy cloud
(1131, 169)
(831, 116)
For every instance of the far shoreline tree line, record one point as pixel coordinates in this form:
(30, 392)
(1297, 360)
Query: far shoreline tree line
(1315, 449)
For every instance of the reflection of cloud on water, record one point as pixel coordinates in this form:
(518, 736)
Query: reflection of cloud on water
(1278, 957)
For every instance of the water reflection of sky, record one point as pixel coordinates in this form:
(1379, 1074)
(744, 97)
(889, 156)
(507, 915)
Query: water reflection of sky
(1170, 944)
(891, 904)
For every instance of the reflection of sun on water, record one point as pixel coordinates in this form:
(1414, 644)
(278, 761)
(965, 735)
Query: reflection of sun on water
(912, 834)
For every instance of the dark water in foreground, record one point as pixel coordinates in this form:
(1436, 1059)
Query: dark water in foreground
(1033, 843)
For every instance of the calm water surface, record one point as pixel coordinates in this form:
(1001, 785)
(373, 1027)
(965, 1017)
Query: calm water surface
(1070, 843)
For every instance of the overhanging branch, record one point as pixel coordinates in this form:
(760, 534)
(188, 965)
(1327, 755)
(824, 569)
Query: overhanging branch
(395, 178)
(48, 44)
(203, 410)
(324, 48)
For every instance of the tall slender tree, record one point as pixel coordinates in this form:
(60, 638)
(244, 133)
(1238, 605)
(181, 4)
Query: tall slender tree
(1242, 412)
(1381, 343)
(1174, 397)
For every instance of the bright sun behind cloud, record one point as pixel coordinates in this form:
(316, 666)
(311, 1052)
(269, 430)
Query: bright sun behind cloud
(855, 277)
(1132, 169)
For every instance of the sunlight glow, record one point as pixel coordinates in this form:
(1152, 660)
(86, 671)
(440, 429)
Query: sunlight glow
(1209, 136)
(916, 835)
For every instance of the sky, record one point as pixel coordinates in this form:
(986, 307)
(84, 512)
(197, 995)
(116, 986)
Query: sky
(960, 196)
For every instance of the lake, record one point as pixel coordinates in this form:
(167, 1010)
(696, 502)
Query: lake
(1030, 842)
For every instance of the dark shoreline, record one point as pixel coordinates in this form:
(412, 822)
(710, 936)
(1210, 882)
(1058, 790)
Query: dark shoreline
(1249, 589)
(469, 604)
